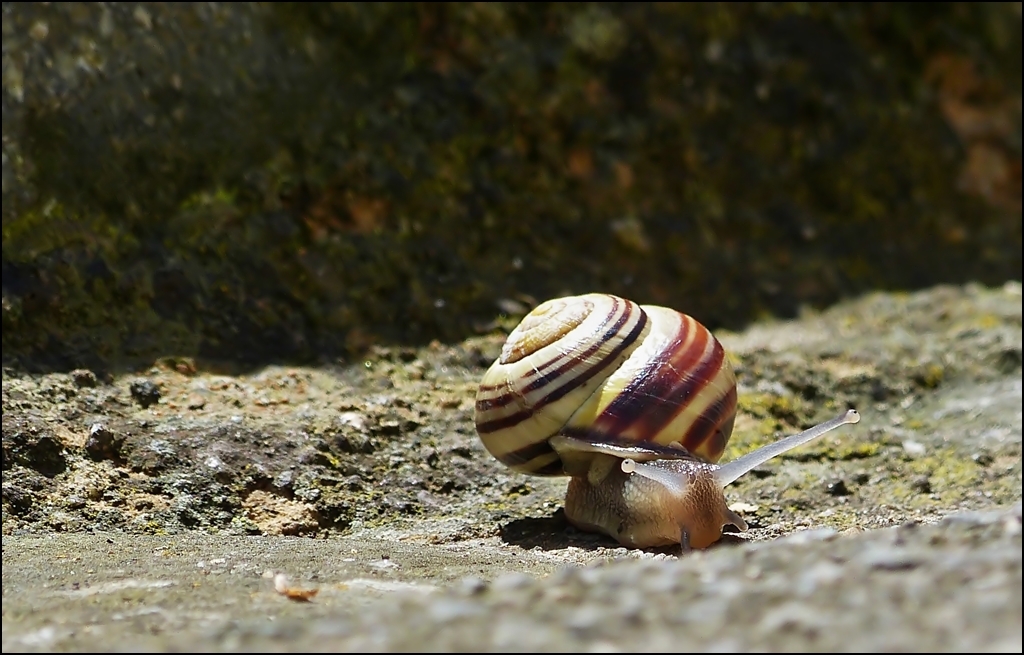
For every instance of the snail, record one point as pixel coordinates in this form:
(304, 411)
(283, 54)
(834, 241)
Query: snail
(636, 404)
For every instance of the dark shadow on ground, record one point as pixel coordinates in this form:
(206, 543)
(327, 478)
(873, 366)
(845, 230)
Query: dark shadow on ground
(554, 533)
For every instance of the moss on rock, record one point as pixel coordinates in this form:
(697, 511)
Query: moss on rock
(264, 182)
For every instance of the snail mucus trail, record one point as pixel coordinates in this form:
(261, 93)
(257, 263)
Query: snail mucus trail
(636, 405)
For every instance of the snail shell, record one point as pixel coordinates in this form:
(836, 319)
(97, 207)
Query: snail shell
(636, 404)
(605, 370)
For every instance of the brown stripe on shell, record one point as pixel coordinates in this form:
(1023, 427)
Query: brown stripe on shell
(662, 388)
(526, 454)
(551, 468)
(709, 434)
(565, 364)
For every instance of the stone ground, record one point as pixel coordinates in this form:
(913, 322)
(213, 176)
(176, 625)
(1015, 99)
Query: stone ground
(151, 509)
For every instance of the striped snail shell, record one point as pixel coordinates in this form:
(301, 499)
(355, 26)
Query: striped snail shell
(635, 403)
(605, 369)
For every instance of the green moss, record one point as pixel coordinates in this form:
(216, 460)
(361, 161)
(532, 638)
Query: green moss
(853, 449)
(767, 405)
(948, 471)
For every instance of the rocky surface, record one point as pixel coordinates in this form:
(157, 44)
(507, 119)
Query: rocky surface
(127, 502)
(950, 587)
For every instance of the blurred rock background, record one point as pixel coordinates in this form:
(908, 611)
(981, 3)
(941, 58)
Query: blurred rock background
(253, 183)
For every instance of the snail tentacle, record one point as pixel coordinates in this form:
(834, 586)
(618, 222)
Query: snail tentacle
(728, 473)
(576, 452)
(674, 482)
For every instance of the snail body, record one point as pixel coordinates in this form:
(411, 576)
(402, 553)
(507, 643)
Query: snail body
(636, 404)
